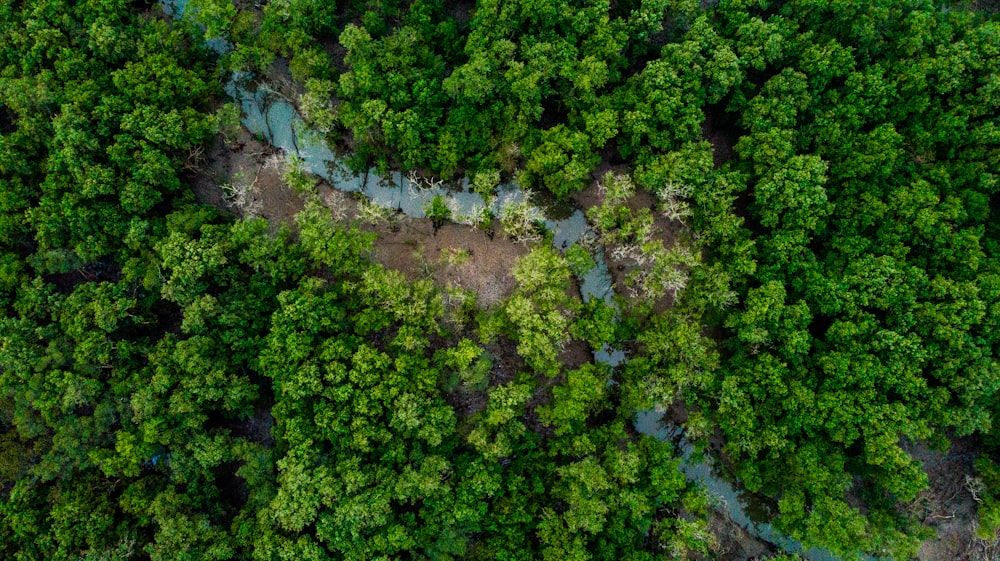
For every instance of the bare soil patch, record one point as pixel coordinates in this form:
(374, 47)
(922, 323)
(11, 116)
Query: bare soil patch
(278, 202)
(591, 196)
(241, 163)
(455, 255)
(946, 505)
(575, 354)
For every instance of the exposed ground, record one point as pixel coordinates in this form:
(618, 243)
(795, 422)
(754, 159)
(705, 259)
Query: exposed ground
(241, 164)
(947, 506)
(454, 256)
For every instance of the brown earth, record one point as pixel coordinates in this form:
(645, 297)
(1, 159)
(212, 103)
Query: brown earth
(243, 161)
(575, 354)
(414, 248)
(947, 506)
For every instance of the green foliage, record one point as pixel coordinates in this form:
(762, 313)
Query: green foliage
(470, 364)
(661, 106)
(521, 221)
(392, 95)
(437, 210)
(538, 314)
(579, 259)
(315, 104)
(428, 89)
(329, 243)
(596, 323)
(105, 108)
(176, 385)
(574, 401)
(561, 162)
(501, 428)
(863, 238)
(297, 178)
(376, 413)
(216, 15)
(984, 488)
(678, 362)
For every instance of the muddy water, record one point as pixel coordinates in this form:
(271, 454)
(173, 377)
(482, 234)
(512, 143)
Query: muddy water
(275, 119)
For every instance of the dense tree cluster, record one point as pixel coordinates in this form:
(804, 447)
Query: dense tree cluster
(178, 384)
(868, 291)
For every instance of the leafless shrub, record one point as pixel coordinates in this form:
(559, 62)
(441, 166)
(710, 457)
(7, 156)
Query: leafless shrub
(975, 487)
(275, 161)
(418, 183)
(242, 196)
(628, 252)
(453, 208)
(279, 88)
(615, 188)
(337, 202)
(673, 201)
(659, 271)
(509, 154)
(588, 241)
(984, 549)
(317, 107)
(484, 182)
(195, 160)
(478, 216)
(124, 550)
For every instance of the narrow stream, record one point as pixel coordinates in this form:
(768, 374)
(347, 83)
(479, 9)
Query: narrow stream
(273, 118)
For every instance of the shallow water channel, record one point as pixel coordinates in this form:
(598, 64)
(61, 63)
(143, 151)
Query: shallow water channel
(273, 118)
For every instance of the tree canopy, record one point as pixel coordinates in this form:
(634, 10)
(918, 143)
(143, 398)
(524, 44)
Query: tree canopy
(796, 199)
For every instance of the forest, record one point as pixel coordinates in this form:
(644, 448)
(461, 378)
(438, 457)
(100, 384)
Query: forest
(209, 353)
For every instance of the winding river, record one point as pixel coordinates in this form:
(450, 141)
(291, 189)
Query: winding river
(273, 118)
